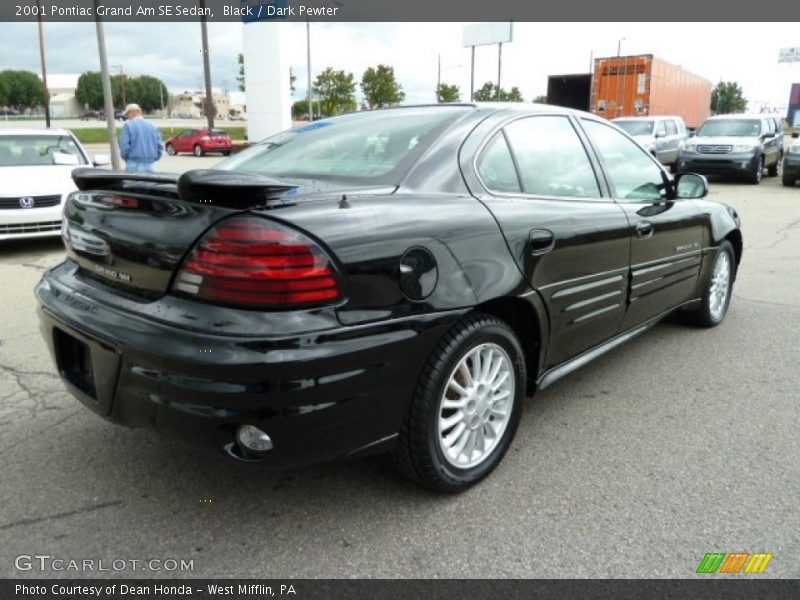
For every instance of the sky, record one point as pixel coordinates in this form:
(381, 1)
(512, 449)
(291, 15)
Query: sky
(742, 52)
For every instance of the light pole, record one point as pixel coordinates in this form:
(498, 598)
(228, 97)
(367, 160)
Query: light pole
(107, 97)
(44, 65)
(308, 67)
(209, 103)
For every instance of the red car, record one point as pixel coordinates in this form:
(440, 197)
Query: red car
(200, 141)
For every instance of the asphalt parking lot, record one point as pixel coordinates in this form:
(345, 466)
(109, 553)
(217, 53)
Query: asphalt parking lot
(679, 443)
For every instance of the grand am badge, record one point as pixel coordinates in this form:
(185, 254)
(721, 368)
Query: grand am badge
(112, 273)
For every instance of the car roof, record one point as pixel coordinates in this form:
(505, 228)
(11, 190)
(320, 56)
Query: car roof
(32, 131)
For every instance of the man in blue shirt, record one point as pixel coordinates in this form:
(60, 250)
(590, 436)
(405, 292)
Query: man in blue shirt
(140, 144)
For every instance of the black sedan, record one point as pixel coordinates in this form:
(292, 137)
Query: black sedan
(396, 280)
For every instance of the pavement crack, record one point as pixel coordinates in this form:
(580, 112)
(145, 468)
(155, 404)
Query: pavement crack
(62, 515)
(767, 302)
(39, 433)
(41, 268)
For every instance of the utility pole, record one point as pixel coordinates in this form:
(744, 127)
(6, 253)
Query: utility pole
(107, 97)
(308, 68)
(209, 104)
(44, 65)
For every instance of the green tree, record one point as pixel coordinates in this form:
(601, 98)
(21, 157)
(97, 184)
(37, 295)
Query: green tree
(3, 92)
(488, 92)
(22, 89)
(540, 100)
(336, 91)
(448, 93)
(728, 97)
(381, 88)
(299, 109)
(90, 90)
(146, 91)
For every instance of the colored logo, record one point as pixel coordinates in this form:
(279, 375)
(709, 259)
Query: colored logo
(734, 562)
(26, 202)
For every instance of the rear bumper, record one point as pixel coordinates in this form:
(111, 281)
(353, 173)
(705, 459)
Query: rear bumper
(319, 396)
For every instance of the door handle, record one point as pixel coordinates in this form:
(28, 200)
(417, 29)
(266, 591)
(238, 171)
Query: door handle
(644, 230)
(541, 241)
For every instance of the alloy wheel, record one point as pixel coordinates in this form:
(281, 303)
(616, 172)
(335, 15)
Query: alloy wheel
(476, 405)
(720, 286)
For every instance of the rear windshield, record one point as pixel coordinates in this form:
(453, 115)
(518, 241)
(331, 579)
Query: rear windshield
(731, 127)
(33, 150)
(636, 127)
(370, 147)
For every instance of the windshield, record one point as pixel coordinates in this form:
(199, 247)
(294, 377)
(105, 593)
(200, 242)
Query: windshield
(33, 150)
(636, 127)
(731, 127)
(370, 147)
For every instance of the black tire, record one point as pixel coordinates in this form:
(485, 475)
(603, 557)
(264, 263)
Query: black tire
(418, 454)
(170, 149)
(226, 153)
(702, 316)
(775, 170)
(757, 173)
(198, 150)
(788, 181)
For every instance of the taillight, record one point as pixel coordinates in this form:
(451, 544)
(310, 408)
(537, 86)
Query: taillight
(248, 261)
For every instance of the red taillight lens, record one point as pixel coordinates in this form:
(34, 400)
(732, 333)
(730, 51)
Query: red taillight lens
(258, 263)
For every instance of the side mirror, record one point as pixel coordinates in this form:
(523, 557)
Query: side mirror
(795, 135)
(690, 186)
(660, 134)
(101, 160)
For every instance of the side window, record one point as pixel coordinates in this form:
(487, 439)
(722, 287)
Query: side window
(661, 129)
(551, 158)
(496, 167)
(633, 173)
(770, 126)
(672, 129)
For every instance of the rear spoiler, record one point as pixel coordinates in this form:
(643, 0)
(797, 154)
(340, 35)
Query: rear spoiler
(223, 188)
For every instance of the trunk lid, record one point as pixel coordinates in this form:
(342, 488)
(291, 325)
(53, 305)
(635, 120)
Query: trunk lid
(132, 231)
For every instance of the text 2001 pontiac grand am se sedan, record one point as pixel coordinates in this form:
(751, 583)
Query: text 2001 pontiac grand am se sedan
(399, 279)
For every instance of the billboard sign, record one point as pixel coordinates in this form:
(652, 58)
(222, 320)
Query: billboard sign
(483, 34)
(789, 55)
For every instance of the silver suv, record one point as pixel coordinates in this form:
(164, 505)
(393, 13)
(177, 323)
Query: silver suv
(734, 145)
(661, 136)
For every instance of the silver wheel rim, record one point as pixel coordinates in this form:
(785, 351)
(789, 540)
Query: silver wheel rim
(476, 406)
(720, 285)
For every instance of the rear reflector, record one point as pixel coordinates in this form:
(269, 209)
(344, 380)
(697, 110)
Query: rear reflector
(252, 262)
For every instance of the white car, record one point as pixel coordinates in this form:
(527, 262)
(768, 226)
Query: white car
(35, 177)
